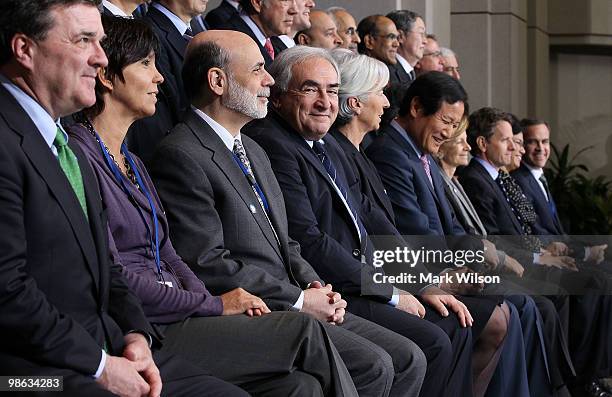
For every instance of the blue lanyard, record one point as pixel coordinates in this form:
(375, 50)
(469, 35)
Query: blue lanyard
(252, 182)
(153, 237)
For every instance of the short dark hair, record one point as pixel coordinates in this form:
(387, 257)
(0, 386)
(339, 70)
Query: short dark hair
(531, 122)
(517, 128)
(367, 26)
(482, 123)
(403, 19)
(432, 89)
(127, 41)
(30, 17)
(198, 62)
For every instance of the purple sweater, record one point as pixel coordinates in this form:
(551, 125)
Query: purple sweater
(129, 245)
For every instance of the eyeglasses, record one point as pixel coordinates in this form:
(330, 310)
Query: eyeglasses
(451, 69)
(450, 123)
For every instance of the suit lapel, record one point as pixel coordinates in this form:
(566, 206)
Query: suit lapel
(43, 160)
(178, 42)
(224, 160)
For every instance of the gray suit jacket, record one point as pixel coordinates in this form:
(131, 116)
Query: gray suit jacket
(216, 223)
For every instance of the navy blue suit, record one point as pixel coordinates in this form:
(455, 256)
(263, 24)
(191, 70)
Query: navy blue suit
(235, 22)
(547, 223)
(217, 17)
(321, 223)
(419, 207)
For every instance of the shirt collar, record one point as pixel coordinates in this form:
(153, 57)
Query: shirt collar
(176, 21)
(261, 37)
(288, 41)
(536, 172)
(402, 61)
(407, 137)
(115, 10)
(311, 143)
(233, 3)
(487, 166)
(227, 138)
(39, 116)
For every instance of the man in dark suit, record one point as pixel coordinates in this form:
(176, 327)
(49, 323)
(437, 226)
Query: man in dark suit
(170, 20)
(332, 221)
(261, 20)
(490, 136)
(120, 8)
(413, 39)
(530, 176)
(228, 218)
(301, 21)
(66, 310)
(217, 17)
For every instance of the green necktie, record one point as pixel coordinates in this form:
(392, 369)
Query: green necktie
(70, 165)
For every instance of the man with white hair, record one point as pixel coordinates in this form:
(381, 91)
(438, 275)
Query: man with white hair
(229, 222)
(332, 221)
(346, 26)
(450, 63)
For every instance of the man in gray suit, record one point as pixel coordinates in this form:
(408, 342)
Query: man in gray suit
(227, 215)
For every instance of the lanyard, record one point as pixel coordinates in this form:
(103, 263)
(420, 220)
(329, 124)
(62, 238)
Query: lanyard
(153, 237)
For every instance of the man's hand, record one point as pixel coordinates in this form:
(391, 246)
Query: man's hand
(323, 303)
(121, 377)
(440, 300)
(557, 248)
(334, 299)
(238, 301)
(561, 262)
(597, 253)
(490, 255)
(458, 288)
(513, 266)
(137, 351)
(409, 304)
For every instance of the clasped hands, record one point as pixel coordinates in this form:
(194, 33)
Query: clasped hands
(323, 303)
(134, 374)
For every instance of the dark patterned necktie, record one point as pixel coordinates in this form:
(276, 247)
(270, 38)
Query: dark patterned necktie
(319, 150)
(521, 207)
(549, 198)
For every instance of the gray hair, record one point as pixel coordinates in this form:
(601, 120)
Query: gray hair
(362, 75)
(331, 11)
(403, 19)
(282, 67)
(447, 52)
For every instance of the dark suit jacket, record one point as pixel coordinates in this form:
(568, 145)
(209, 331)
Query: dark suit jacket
(236, 23)
(547, 223)
(216, 18)
(171, 100)
(216, 223)
(278, 45)
(318, 219)
(371, 185)
(397, 75)
(61, 298)
(420, 209)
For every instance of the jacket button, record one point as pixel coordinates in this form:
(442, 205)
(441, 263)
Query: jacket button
(356, 253)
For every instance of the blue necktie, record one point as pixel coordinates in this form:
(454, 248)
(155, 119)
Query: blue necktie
(319, 150)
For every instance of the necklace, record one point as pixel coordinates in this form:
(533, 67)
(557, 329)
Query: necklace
(129, 172)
